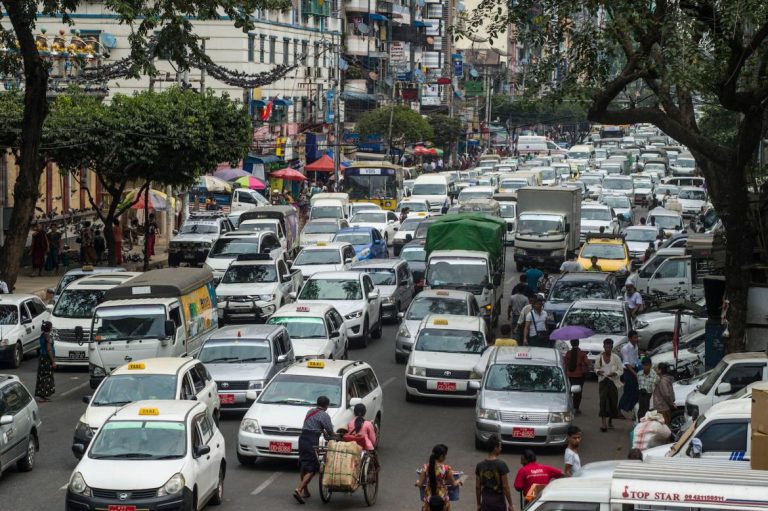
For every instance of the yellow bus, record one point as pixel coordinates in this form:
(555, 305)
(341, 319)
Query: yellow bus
(379, 182)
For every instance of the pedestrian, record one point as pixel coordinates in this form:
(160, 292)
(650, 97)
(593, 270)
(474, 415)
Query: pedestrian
(117, 235)
(522, 286)
(642, 220)
(45, 386)
(664, 394)
(571, 457)
(492, 480)
(361, 427)
(646, 382)
(533, 275)
(630, 358)
(54, 249)
(576, 368)
(593, 264)
(86, 242)
(436, 477)
(570, 265)
(152, 231)
(4, 287)
(99, 245)
(532, 473)
(39, 249)
(317, 422)
(545, 283)
(520, 328)
(535, 331)
(608, 368)
(633, 301)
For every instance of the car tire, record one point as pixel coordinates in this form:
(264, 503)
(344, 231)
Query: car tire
(659, 339)
(409, 398)
(479, 444)
(363, 341)
(27, 463)
(18, 356)
(218, 496)
(400, 359)
(395, 319)
(396, 249)
(376, 333)
(246, 460)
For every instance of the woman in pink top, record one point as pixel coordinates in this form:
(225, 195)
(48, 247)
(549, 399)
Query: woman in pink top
(363, 428)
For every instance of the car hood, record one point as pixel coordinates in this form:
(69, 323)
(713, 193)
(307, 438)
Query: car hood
(557, 308)
(284, 415)
(434, 360)
(691, 203)
(401, 234)
(660, 451)
(623, 211)
(8, 331)
(343, 306)
(308, 270)
(385, 291)
(196, 238)
(432, 199)
(264, 288)
(239, 372)
(594, 225)
(313, 239)
(96, 416)
(594, 344)
(219, 264)
(527, 401)
(643, 189)
(637, 246)
(651, 317)
(143, 473)
(412, 325)
(308, 347)
(373, 225)
(682, 391)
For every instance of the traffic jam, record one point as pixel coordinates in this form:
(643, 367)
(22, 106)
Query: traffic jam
(517, 288)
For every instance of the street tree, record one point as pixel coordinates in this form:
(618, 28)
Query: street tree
(569, 119)
(397, 126)
(653, 62)
(446, 131)
(167, 24)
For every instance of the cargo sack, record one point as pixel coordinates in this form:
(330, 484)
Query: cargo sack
(342, 466)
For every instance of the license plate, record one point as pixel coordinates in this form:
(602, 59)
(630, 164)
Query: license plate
(446, 386)
(77, 355)
(523, 432)
(226, 399)
(280, 447)
(120, 507)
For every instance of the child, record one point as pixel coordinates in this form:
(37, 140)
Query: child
(572, 459)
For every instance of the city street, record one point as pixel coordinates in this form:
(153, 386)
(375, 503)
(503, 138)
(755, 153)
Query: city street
(409, 430)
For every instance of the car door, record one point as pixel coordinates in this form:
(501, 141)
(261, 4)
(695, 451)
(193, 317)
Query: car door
(28, 332)
(338, 325)
(285, 349)
(285, 284)
(670, 277)
(379, 246)
(374, 400)
(371, 304)
(14, 400)
(724, 439)
(333, 342)
(393, 224)
(407, 286)
(206, 468)
(204, 387)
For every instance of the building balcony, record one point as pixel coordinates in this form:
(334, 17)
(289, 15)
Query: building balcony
(316, 8)
(360, 45)
(360, 5)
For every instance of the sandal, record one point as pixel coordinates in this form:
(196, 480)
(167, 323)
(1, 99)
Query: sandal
(298, 497)
(604, 430)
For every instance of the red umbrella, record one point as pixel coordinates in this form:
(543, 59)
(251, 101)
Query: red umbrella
(324, 164)
(420, 150)
(289, 174)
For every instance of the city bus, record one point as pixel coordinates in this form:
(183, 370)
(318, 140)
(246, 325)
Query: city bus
(378, 182)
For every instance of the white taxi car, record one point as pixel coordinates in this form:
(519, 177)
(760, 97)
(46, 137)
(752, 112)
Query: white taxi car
(442, 363)
(386, 222)
(316, 330)
(333, 256)
(181, 378)
(407, 230)
(21, 320)
(272, 426)
(151, 455)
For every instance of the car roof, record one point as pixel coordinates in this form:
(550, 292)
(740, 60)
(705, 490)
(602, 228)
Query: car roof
(102, 280)
(416, 243)
(327, 244)
(730, 407)
(323, 221)
(166, 410)
(338, 275)
(333, 368)
(245, 234)
(513, 354)
(692, 188)
(452, 294)
(94, 269)
(578, 489)
(309, 309)
(378, 263)
(480, 188)
(746, 355)
(375, 211)
(452, 322)
(585, 276)
(605, 241)
(159, 365)
(593, 205)
(15, 299)
(642, 228)
(603, 304)
(8, 378)
(356, 228)
(245, 332)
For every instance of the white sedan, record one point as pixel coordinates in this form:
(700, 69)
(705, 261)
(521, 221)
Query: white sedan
(692, 199)
(386, 222)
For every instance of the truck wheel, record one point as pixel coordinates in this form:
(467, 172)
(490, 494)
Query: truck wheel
(520, 267)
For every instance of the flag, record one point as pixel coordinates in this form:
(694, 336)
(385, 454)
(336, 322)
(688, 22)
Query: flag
(676, 335)
(266, 112)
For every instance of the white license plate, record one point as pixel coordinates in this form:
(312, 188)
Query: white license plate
(77, 355)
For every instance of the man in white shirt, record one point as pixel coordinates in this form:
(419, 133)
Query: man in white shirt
(630, 357)
(632, 299)
(570, 265)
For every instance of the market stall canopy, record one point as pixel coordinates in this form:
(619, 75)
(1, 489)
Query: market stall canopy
(211, 184)
(289, 174)
(251, 182)
(230, 174)
(158, 201)
(324, 164)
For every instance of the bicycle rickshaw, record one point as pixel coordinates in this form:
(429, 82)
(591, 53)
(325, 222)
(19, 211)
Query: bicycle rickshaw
(367, 476)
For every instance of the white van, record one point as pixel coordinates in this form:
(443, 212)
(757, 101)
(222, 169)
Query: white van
(581, 152)
(71, 316)
(435, 189)
(533, 144)
(244, 199)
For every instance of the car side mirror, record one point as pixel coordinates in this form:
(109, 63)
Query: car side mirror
(355, 401)
(76, 448)
(251, 395)
(575, 389)
(335, 334)
(87, 399)
(202, 450)
(6, 419)
(723, 389)
(170, 328)
(289, 262)
(400, 315)
(175, 232)
(474, 385)
(374, 295)
(282, 358)
(286, 277)
(49, 307)
(292, 295)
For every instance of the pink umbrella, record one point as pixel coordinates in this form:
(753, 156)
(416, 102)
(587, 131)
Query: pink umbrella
(289, 174)
(251, 182)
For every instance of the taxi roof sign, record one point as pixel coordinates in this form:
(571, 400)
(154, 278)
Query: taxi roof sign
(321, 243)
(136, 365)
(316, 364)
(302, 308)
(87, 267)
(149, 411)
(523, 355)
(440, 321)
(442, 293)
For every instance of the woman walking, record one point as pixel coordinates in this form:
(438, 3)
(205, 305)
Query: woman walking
(117, 235)
(54, 249)
(608, 368)
(39, 249)
(435, 478)
(152, 231)
(492, 480)
(576, 368)
(45, 386)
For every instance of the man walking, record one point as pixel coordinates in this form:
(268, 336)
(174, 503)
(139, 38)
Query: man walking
(532, 473)
(317, 422)
(646, 382)
(630, 357)
(492, 482)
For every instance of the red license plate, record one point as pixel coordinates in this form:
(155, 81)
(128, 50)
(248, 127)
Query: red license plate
(226, 399)
(523, 432)
(120, 507)
(446, 386)
(280, 447)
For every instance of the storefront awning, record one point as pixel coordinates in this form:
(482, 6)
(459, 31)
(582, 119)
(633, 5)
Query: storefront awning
(282, 102)
(377, 17)
(358, 96)
(418, 23)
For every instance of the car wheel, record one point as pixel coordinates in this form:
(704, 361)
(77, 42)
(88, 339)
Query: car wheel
(659, 339)
(363, 341)
(246, 460)
(409, 398)
(677, 421)
(27, 463)
(18, 356)
(218, 496)
(395, 319)
(376, 333)
(400, 359)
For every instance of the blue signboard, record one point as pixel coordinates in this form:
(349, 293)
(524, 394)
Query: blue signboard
(458, 68)
(329, 113)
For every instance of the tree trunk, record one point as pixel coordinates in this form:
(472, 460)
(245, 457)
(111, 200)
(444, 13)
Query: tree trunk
(26, 189)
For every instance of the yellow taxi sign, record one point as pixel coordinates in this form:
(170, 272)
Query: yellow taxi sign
(321, 243)
(87, 267)
(442, 293)
(149, 411)
(440, 321)
(421, 213)
(136, 365)
(316, 364)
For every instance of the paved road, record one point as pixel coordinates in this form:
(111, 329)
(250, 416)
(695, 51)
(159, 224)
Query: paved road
(408, 433)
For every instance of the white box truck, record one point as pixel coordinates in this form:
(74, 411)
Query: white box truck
(548, 225)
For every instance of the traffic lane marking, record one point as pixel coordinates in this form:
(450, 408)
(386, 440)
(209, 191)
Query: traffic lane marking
(74, 389)
(263, 486)
(388, 381)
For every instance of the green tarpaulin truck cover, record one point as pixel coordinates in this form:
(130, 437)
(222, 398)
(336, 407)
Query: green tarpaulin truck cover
(467, 231)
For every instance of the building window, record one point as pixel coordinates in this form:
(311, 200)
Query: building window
(272, 43)
(304, 50)
(251, 48)
(262, 45)
(286, 50)
(317, 54)
(295, 51)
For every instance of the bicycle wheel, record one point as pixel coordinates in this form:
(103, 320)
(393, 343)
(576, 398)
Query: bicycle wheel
(370, 480)
(325, 492)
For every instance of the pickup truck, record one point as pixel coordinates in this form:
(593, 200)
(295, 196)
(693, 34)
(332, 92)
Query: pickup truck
(190, 245)
(254, 287)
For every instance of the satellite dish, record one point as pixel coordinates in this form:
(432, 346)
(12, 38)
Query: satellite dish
(108, 40)
(363, 28)
(343, 64)
(473, 73)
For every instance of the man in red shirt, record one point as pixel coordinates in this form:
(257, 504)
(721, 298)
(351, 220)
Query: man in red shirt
(533, 473)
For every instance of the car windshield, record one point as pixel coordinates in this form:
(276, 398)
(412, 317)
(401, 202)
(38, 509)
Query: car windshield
(121, 389)
(331, 289)
(666, 221)
(250, 274)
(548, 174)
(715, 375)
(662, 190)
(232, 247)
(507, 210)
(616, 202)
(578, 155)
(693, 194)
(78, 303)
(321, 228)
(512, 184)
(415, 207)
(592, 180)
(429, 189)
(410, 224)
(9, 315)
(596, 214)
(525, 378)
(457, 272)
(416, 254)
(257, 227)
(199, 228)
(318, 256)
(449, 340)
(568, 291)
(356, 208)
(380, 276)
(299, 390)
(617, 184)
(421, 306)
(68, 279)
(602, 251)
(370, 217)
(685, 163)
(129, 323)
(354, 238)
(326, 212)
(301, 328)
(235, 351)
(600, 321)
(469, 193)
(539, 224)
(640, 235)
(140, 440)
(642, 183)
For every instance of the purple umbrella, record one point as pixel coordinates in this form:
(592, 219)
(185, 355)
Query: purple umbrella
(567, 333)
(230, 174)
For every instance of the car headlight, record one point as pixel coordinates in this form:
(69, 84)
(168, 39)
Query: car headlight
(390, 300)
(249, 426)
(354, 315)
(364, 253)
(556, 417)
(223, 298)
(83, 430)
(3, 342)
(266, 298)
(255, 384)
(77, 485)
(475, 376)
(488, 414)
(174, 485)
(640, 324)
(417, 371)
(403, 332)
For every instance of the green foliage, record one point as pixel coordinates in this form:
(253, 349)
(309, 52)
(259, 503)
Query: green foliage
(446, 130)
(719, 124)
(407, 126)
(522, 112)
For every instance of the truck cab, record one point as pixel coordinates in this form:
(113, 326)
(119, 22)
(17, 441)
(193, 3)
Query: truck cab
(244, 199)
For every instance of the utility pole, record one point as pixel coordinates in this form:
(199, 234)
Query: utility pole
(337, 120)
